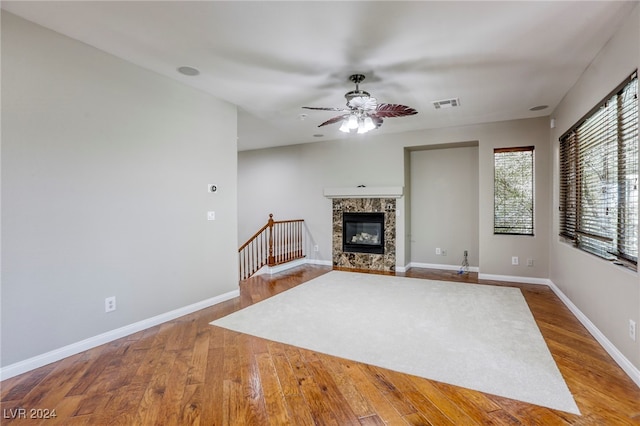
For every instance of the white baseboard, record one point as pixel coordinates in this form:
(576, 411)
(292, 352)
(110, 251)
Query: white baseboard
(299, 262)
(319, 262)
(41, 360)
(330, 263)
(632, 371)
(92, 342)
(620, 359)
(270, 270)
(515, 279)
(439, 266)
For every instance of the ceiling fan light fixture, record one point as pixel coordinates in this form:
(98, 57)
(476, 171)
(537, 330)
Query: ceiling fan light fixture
(353, 122)
(363, 112)
(368, 124)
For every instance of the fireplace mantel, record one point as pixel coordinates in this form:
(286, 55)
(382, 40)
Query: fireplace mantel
(364, 192)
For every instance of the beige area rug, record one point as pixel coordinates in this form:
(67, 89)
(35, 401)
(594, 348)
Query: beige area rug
(476, 336)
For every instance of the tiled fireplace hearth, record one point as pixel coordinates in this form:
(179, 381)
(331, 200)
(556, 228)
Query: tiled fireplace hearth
(358, 252)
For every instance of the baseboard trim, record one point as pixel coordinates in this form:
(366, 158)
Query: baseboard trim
(439, 266)
(515, 279)
(319, 262)
(270, 270)
(92, 342)
(632, 371)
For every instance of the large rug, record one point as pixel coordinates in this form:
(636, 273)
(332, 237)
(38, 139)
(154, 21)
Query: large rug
(475, 336)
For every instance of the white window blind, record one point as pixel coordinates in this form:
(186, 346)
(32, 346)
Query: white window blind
(599, 178)
(513, 191)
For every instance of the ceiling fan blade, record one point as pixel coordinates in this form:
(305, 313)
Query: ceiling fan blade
(325, 109)
(393, 110)
(334, 120)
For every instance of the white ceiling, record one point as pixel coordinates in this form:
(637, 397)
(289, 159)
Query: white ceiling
(272, 58)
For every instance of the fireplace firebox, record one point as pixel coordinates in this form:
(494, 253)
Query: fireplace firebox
(363, 233)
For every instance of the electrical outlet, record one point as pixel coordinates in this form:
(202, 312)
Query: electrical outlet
(632, 330)
(515, 260)
(438, 251)
(316, 248)
(110, 304)
(529, 262)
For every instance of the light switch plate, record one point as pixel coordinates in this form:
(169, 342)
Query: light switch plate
(211, 215)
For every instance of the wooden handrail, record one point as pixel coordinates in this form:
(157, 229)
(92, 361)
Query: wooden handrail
(275, 243)
(253, 238)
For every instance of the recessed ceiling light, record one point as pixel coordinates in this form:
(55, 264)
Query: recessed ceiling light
(538, 108)
(190, 71)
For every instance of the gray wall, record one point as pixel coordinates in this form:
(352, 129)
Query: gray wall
(495, 251)
(444, 205)
(104, 174)
(608, 295)
(296, 176)
(289, 181)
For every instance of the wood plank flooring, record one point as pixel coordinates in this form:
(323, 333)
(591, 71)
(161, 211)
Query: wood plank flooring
(187, 372)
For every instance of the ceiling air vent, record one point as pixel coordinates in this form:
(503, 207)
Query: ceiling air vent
(446, 103)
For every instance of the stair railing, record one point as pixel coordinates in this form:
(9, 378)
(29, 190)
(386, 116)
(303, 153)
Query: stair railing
(275, 243)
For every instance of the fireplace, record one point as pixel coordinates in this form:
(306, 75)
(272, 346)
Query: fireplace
(363, 232)
(372, 216)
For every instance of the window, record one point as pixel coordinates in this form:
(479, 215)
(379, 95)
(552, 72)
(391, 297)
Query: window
(513, 191)
(599, 178)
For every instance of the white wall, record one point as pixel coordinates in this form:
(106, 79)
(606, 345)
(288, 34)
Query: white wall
(296, 175)
(495, 251)
(289, 182)
(444, 205)
(608, 295)
(104, 173)
(271, 181)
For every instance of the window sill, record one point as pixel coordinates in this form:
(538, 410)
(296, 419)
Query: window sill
(617, 264)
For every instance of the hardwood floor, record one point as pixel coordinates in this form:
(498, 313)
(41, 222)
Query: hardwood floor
(187, 372)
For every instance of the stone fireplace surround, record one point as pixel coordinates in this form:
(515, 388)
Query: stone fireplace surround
(378, 262)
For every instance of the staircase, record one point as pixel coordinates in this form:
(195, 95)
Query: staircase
(275, 243)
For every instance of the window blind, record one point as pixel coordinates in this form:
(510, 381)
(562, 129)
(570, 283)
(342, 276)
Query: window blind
(599, 178)
(513, 191)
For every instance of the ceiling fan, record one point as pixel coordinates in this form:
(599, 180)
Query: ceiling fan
(363, 113)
